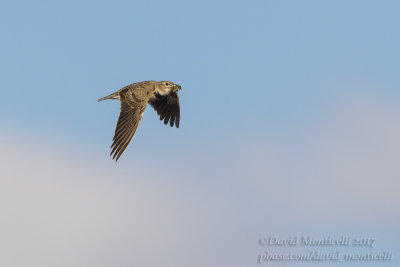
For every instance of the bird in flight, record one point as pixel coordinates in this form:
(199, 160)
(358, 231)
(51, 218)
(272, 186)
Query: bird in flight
(162, 96)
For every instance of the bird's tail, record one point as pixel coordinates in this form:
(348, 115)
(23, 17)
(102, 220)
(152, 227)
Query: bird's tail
(112, 96)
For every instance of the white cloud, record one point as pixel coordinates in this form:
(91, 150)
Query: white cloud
(63, 210)
(344, 166)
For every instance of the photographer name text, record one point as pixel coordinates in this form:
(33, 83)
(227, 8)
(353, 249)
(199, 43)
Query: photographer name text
(308, 241)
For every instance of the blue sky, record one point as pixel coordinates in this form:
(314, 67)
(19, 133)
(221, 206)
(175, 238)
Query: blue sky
(301, 95)
(259, 63)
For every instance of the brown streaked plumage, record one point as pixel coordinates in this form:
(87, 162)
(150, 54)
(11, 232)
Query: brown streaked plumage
(162, 96)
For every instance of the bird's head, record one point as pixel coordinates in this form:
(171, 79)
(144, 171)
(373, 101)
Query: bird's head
(167, 87)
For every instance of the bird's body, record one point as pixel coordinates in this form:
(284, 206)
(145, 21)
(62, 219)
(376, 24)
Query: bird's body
(162, 96)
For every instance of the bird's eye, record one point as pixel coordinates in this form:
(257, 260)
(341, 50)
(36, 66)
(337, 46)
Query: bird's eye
(167, 84)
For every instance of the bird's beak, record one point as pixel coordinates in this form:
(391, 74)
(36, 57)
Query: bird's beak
(178, 86)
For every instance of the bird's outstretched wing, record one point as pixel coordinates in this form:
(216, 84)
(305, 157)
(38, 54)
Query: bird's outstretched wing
(168, 108)
(130, 115)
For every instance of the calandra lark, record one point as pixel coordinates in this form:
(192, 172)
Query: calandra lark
(162, 96)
